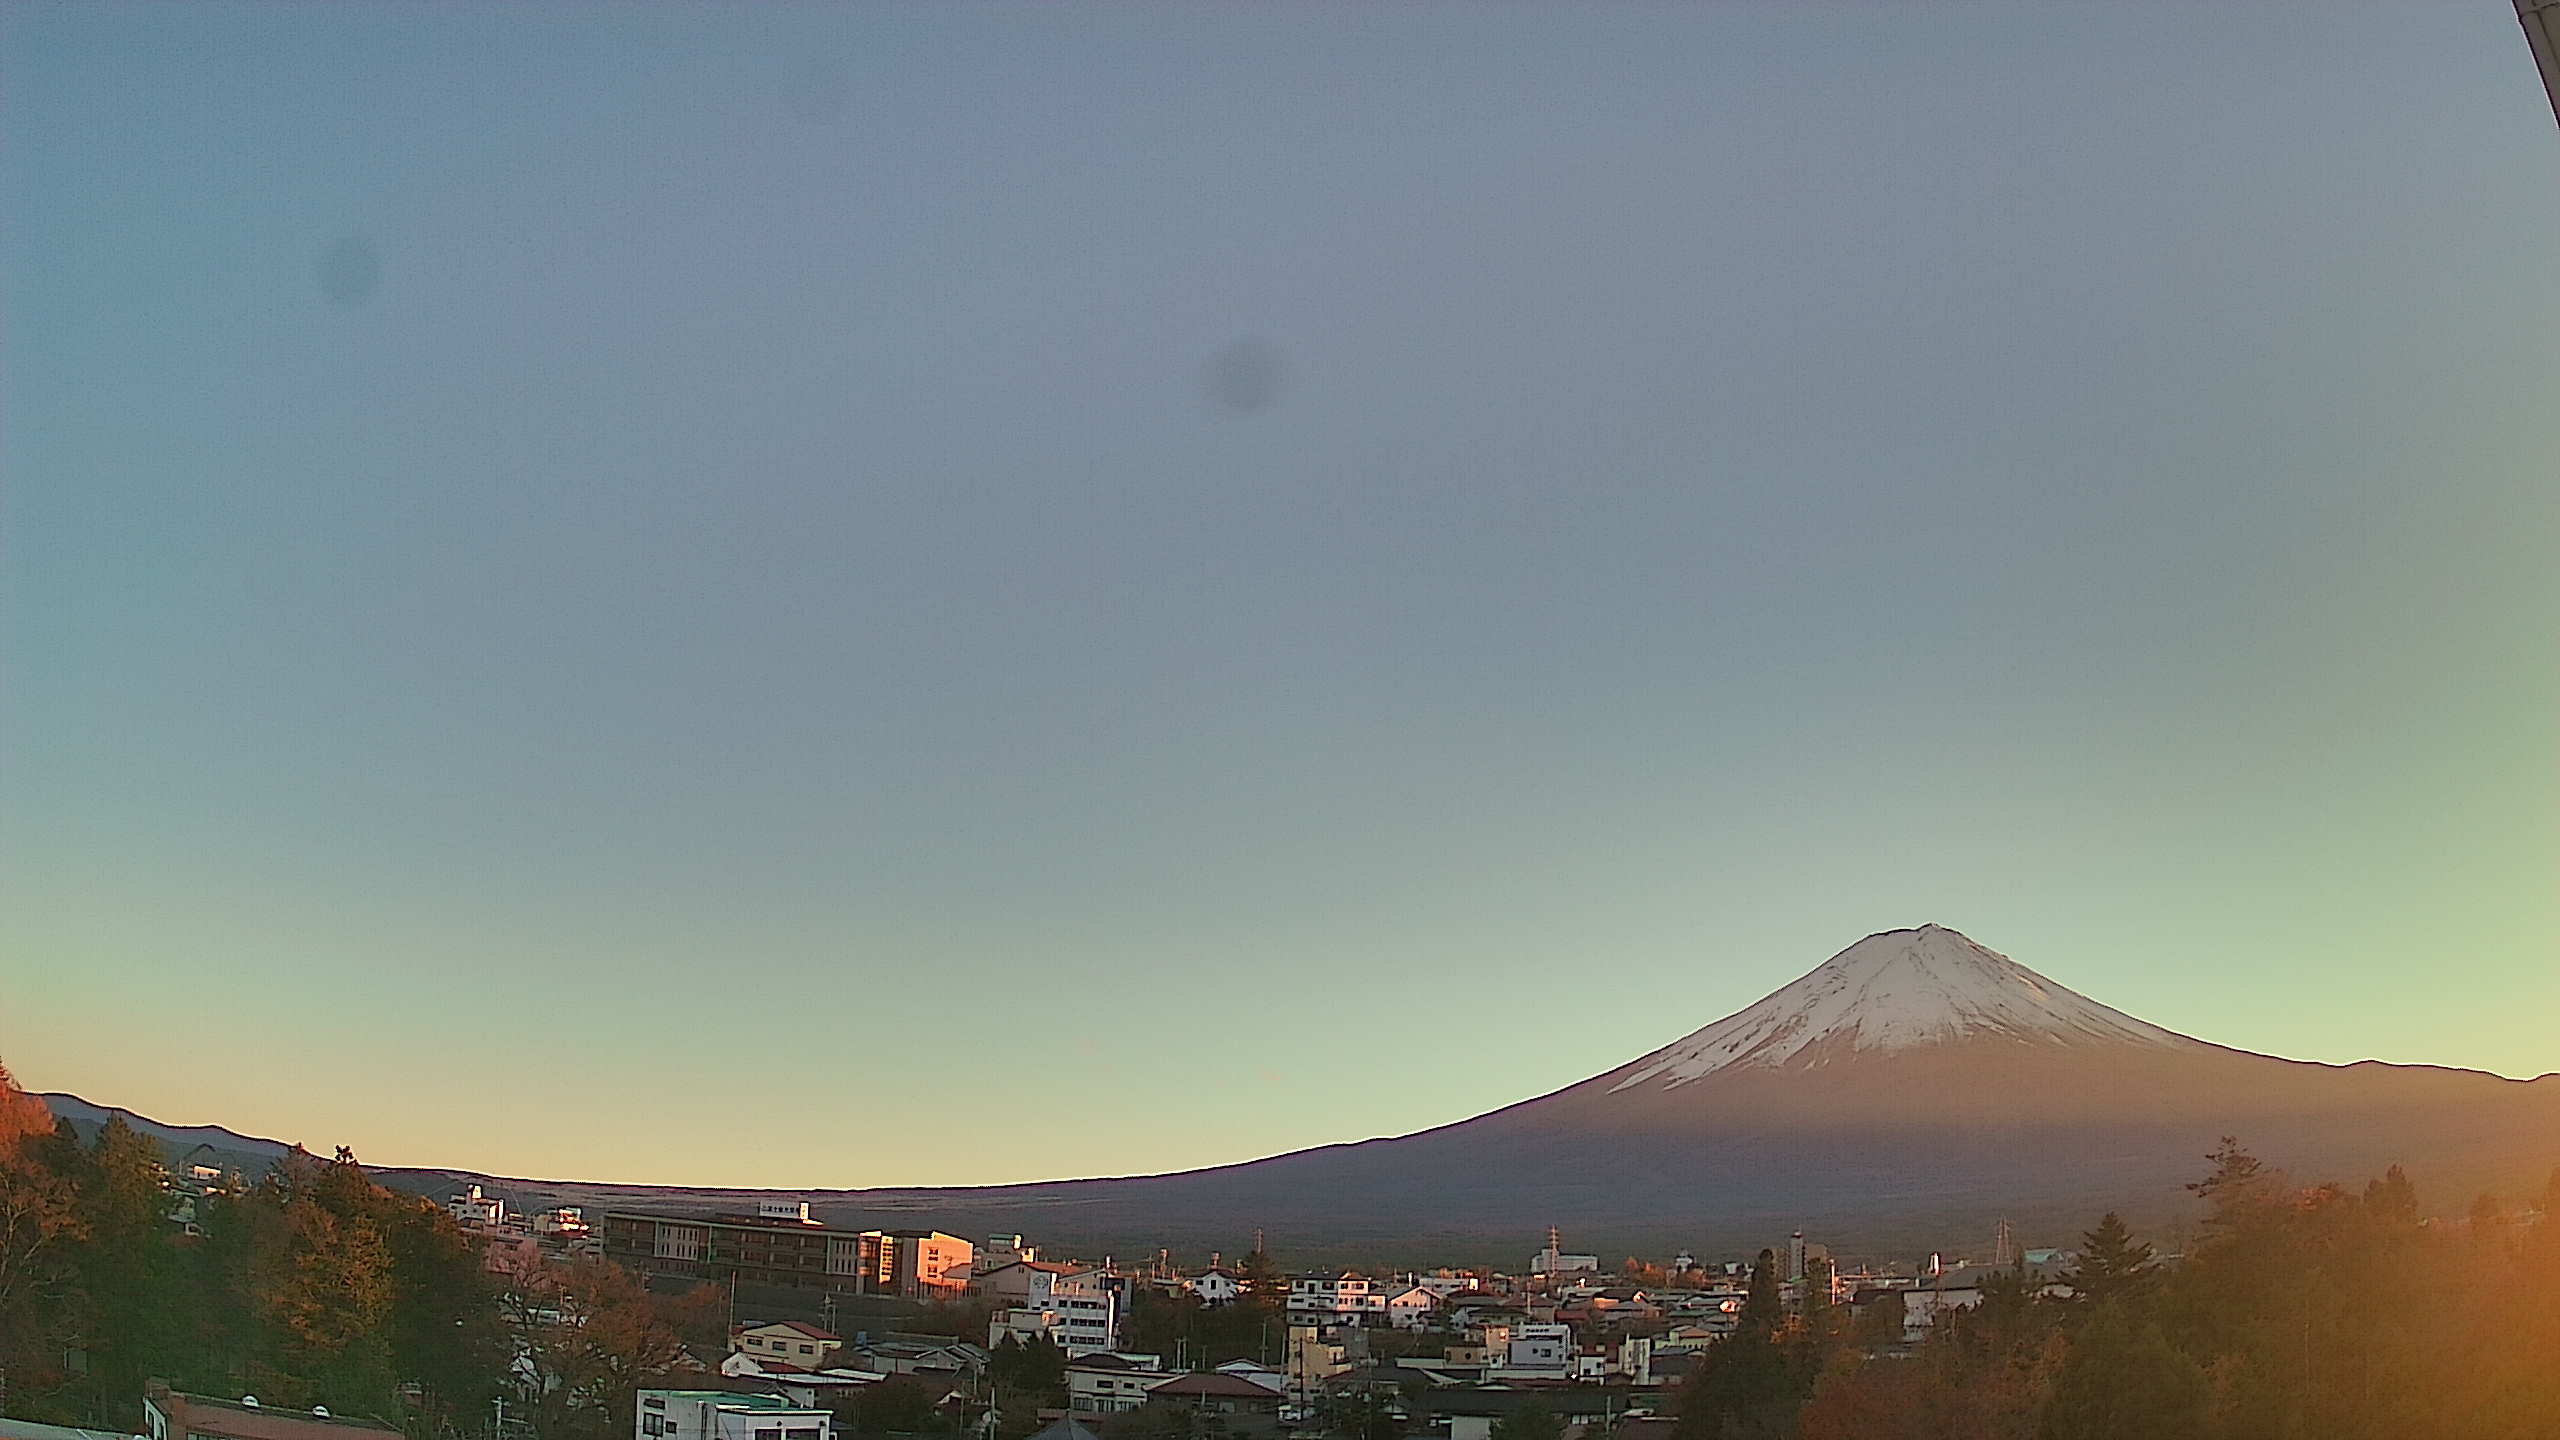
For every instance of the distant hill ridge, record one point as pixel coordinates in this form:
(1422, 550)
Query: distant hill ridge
(1909, 1092)
(88, 1117)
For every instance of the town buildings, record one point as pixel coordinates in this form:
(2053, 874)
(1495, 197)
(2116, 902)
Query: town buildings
(1345, 1298)
(786, 1249)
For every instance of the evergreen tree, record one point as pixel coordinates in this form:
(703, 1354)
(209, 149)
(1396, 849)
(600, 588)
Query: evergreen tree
(2008, 1298)
(2488, 1217)
(1532, 1421)
(1762, 1307)
(1747, 1384)
(2240, 1187)
(1030, 1374)
(2125, 1381)
(1817, 1307)
(332, 1311)
(1261, 1281)
(2392, 1199)
(126, 1269)
(445, 1331)
(2113, 1266)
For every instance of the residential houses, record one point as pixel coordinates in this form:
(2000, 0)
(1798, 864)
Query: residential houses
(1345, 1298)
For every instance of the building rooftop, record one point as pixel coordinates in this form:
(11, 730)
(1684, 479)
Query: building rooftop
(741, 1399)
(838, 1379)
(30, 1430)
(798, 1327)
(1104, 1360)
(237, 1420)
(1213, 1385)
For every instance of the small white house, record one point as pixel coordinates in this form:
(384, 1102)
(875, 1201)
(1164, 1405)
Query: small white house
(1214, 1287)
(788, 1343)
(1408, 1307)
(1259, 1373)
(721, 1415)
(1108, 1384)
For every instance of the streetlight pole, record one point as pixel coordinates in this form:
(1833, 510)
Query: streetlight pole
(2541, 21)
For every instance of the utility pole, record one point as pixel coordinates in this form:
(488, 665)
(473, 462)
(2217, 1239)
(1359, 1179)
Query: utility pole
(2541, 21)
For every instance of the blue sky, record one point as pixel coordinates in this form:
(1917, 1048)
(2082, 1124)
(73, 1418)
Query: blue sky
(628, 593)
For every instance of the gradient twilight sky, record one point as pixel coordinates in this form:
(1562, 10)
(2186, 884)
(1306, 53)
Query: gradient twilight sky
(939, 594)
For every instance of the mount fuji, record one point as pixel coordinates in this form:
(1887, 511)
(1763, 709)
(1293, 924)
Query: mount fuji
(1907, 1093)
(1900, 990)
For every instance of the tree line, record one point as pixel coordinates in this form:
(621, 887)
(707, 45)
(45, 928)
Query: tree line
(2312, 1312)
(312, 1286)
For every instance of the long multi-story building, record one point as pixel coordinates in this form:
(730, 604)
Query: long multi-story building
(789, 1251)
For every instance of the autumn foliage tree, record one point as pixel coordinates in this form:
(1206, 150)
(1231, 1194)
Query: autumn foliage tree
(40, 1231)
(589, 1334)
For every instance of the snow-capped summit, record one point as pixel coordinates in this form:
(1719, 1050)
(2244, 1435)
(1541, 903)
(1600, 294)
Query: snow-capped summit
(1894, 991)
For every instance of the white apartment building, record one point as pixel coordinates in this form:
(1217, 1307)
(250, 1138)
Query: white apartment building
(1332, 1299)
(1536, 1352)
(1078, 1311)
